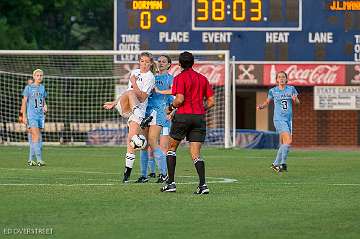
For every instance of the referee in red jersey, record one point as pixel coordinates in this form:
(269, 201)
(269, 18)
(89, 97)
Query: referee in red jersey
(190, 89)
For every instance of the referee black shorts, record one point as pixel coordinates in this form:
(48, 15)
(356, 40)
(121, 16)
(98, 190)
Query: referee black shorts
(191, 126)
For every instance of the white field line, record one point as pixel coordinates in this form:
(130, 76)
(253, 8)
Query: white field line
(120, 184)
(57, 184)
(61, 171)
(210, 179)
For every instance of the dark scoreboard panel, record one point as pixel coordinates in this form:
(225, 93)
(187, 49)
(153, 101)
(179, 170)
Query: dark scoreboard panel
(253, 30)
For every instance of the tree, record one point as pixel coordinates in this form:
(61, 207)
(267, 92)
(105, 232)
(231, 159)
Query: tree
(56, 25)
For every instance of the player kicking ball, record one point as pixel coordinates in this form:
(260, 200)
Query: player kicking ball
(133, 103)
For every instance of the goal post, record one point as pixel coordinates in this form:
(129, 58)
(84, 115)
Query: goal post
(78, 82)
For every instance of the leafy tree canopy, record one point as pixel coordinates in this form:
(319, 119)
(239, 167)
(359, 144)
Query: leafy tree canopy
(56, 24)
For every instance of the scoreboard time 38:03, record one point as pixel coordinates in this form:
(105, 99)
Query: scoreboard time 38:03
(253, 30)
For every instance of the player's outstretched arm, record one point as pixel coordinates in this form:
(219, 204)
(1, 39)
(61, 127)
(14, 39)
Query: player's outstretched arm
(109, 105)
(295, 98)
(263, 105)
(164, 92)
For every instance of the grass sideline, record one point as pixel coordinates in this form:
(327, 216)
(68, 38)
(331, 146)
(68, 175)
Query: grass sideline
(79, 195)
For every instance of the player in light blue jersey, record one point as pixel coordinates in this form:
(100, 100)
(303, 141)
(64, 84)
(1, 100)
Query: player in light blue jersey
(164, 137)
(155, 120)
(283, 96)
(33, 108)
(21, 115)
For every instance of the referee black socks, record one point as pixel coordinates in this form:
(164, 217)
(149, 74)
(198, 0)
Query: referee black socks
(171, 164)
(200, 168)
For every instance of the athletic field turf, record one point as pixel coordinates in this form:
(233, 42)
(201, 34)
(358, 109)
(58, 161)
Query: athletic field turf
(79, 194)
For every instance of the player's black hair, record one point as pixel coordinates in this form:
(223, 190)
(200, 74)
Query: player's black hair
(186, 60)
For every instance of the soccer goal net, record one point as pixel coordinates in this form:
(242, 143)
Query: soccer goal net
(79, 82)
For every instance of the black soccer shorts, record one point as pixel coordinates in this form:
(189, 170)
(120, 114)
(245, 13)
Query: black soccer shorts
(191, 126)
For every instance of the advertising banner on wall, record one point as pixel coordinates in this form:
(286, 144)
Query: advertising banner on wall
(306, 74)
(353, 74)
(215, 72)
(264, 74)
(337, 97)
(249, 74)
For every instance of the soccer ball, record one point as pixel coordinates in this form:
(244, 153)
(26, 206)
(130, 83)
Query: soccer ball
(138, 141)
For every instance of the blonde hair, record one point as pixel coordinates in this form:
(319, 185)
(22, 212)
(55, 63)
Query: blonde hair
(153, 67)
(36, 70)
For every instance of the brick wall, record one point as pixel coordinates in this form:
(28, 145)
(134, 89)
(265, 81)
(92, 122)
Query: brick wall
(323, 128)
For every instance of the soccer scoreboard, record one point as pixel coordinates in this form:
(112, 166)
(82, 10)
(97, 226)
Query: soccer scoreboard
(253, 30)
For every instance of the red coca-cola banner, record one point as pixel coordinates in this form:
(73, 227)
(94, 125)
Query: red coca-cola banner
(307, 74)
(214, 72)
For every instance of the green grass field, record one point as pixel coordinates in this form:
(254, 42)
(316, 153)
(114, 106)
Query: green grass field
(79, 194)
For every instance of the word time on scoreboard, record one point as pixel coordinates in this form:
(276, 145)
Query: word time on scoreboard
(252, 30)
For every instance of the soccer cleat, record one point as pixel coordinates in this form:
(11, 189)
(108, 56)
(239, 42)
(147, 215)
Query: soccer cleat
(125, 179)
(202, 189)
(152, 175)
(169, 187)
(162, 178)
(283, 168)
(40, 163)
(275, 168)
(142, 179)
(127, 174)
(146, 121)
(31, 163)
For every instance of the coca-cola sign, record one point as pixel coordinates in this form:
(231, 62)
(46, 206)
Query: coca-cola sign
(214, 72)
(307, 74)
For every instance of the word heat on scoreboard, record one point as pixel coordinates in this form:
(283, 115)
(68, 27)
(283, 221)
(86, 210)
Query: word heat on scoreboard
(253, 30)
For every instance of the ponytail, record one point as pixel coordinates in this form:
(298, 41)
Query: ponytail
(153, 68)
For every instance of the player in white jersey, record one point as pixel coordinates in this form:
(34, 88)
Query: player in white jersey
(283, 96)
(134, 102)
